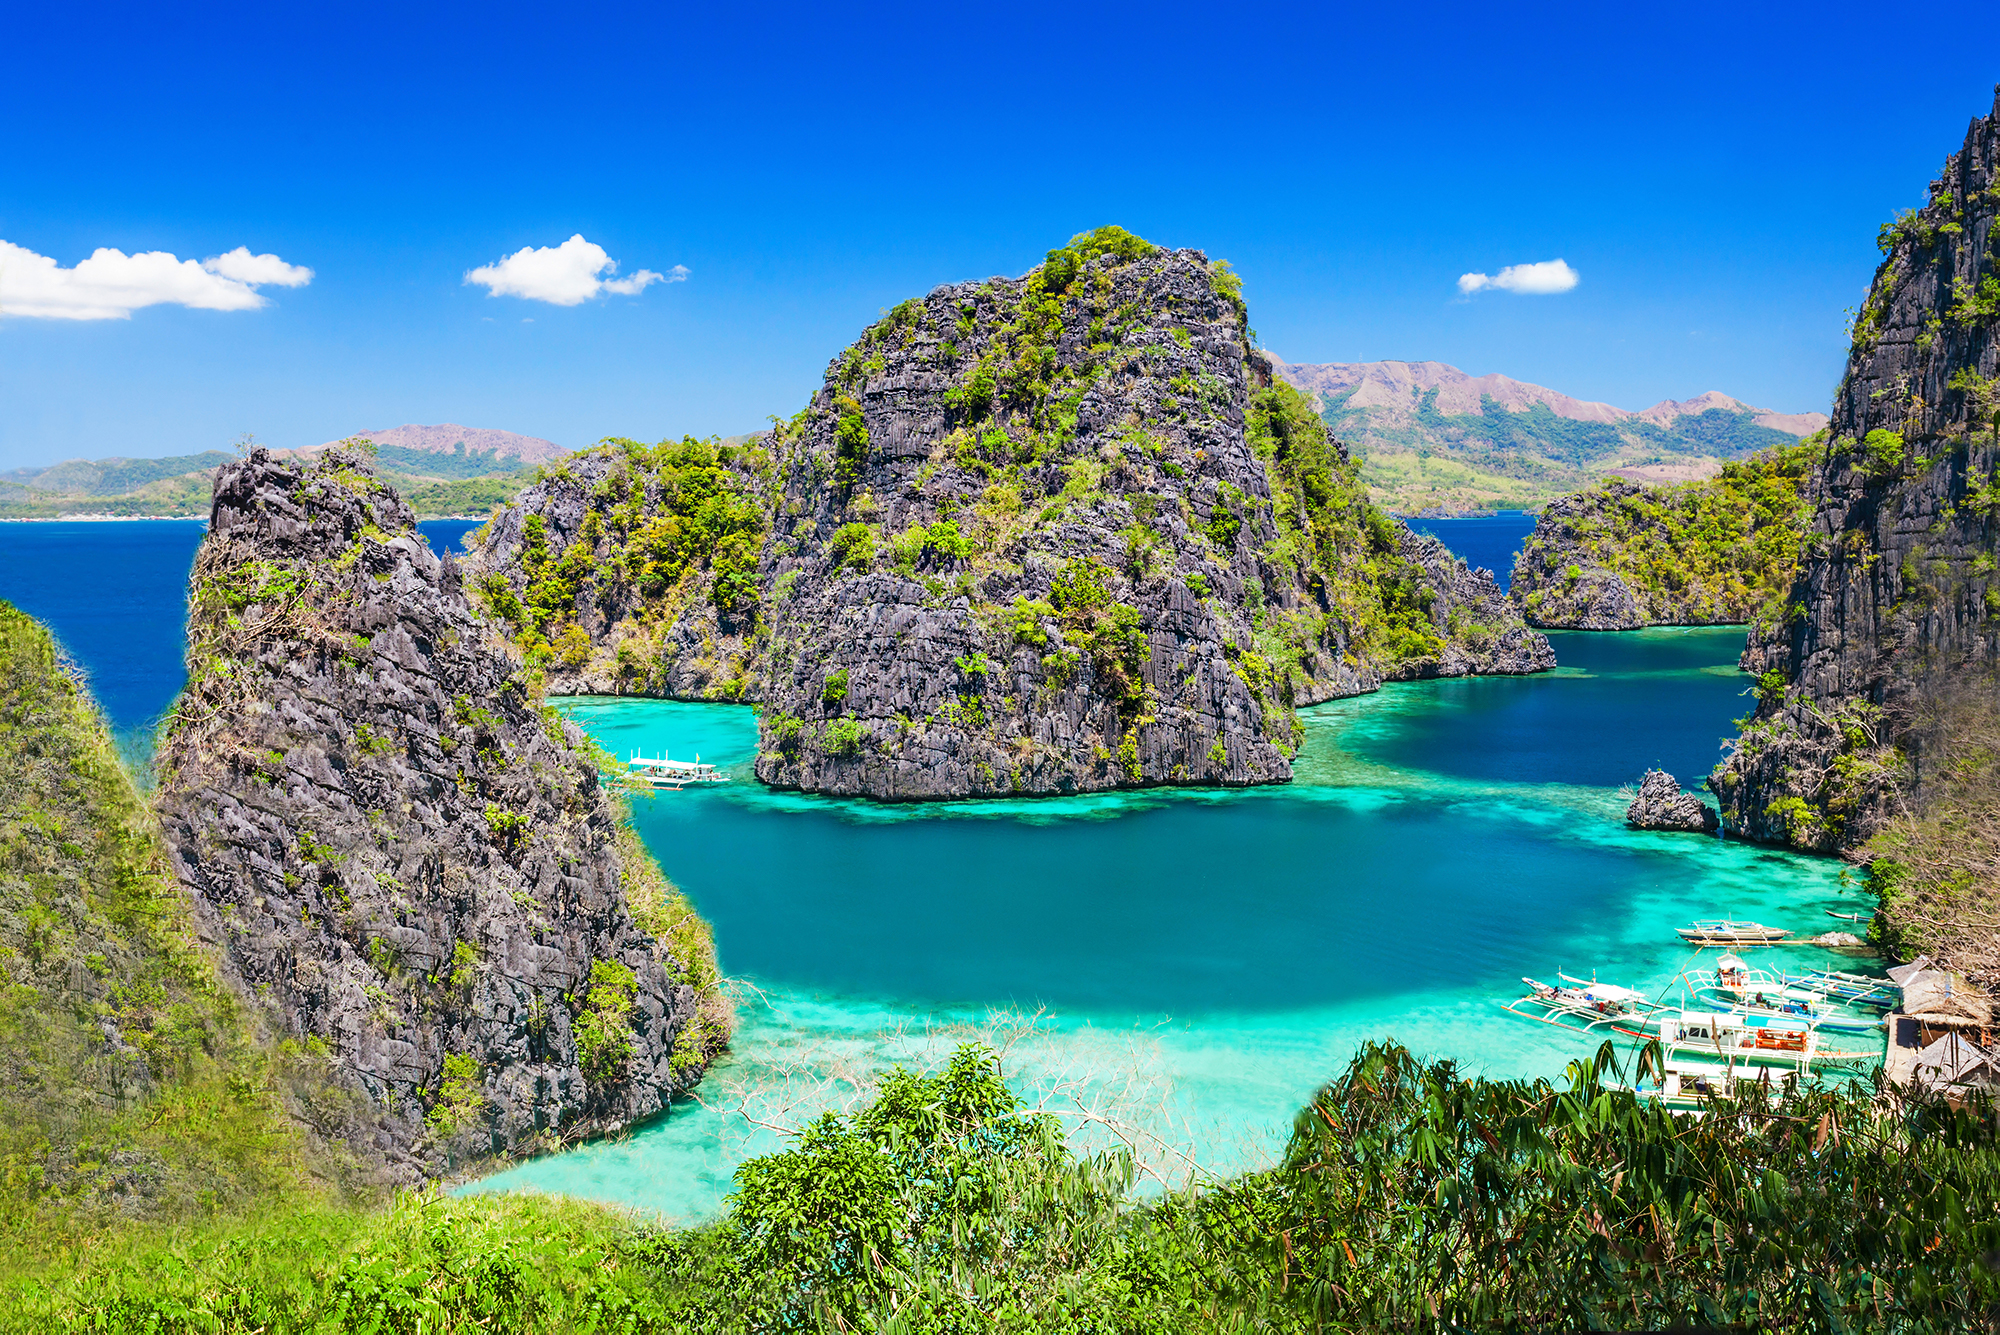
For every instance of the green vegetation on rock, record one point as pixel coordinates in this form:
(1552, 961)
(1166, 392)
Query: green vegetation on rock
(651, 535)
(1717, 551)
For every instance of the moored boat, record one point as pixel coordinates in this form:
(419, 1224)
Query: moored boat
(1576, 1004)
(1693, 1086)
(671, 775)
(1849, 989)
(1745, 1036)
(1729, 932)
(1758, 993)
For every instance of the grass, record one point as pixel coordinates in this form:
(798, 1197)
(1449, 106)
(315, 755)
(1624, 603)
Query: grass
(131, 1083)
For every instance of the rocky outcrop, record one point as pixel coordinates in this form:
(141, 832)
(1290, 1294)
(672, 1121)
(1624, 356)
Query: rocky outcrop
(1049, 534)
(1717, 551)
(406, 861)
(1484, 632)
(1661, 805)
(1065, 533)
(1897, 596)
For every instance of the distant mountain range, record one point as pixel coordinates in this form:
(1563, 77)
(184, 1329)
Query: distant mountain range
(450, 438)
(1432, 437)
(444, 469)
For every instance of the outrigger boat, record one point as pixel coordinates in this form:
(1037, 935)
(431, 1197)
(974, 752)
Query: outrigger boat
(1728, 932)
(1692, 1087)
(1848, 917)
(672, 775)
(1740, 1035)
(1849, 989)
(1576, 1004)
(1757, 993)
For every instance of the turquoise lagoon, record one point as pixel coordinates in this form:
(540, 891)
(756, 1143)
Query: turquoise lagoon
(1183, 967)
(1188, 965)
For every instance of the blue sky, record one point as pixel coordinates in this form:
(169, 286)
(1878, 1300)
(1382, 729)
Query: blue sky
(1715, 174)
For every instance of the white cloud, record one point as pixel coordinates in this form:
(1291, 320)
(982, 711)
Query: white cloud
(110, 285)
(565, 275)
(1528, 279)
(244, 267)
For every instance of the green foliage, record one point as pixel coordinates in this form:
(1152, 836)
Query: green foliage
(253, 583)
(603, 1028)
(123, 1057)
(1226, 283)
(1408, 1198)
(1061, 267)
(845, 736)
(508, 828)
(852, 547)
(850, 440)
(833, 691)
(672, 521)
(499, 1263)
(459, 1098)
(1327, 526)
(1024, 621)
(1882, 453)
(1721, 550)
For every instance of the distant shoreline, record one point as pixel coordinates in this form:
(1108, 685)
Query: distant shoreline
(188, 519)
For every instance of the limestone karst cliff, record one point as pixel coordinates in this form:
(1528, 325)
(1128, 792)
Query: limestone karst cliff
(1046, 534)
(1897, 596)
(1712, 552)
(407, 862)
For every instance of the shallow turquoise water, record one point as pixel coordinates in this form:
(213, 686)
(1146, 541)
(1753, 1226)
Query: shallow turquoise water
(1195, 963)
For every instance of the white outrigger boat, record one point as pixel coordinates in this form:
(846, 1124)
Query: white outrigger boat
(1849, 989)
(1692, 1087)
(1745, 1036)
(1729, 932)
(1583, 1006)
(1735, 986)
(671, 775)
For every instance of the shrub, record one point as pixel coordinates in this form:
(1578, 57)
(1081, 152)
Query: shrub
(833, 691)
(602, 1028)
(850, 440)
(571, 645)
(1882, 453)
(459, 1096)
(844, 737)
(852, 547)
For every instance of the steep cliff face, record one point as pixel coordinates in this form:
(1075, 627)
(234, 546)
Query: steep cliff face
(1038, 535)
(1714, 552)
(1897, 593)
(407, 862)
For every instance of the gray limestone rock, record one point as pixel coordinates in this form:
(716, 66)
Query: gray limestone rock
(1035, 535)
(1661, 805)
(400, 854)
(1898, 595)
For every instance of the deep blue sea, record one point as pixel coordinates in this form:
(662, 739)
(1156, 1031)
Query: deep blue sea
(1181, 966)
(115, 593)
(1492, 541)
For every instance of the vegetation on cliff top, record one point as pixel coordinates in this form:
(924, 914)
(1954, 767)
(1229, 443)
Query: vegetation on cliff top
(1409, 1198)
(671, 527)
(1725, 549)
